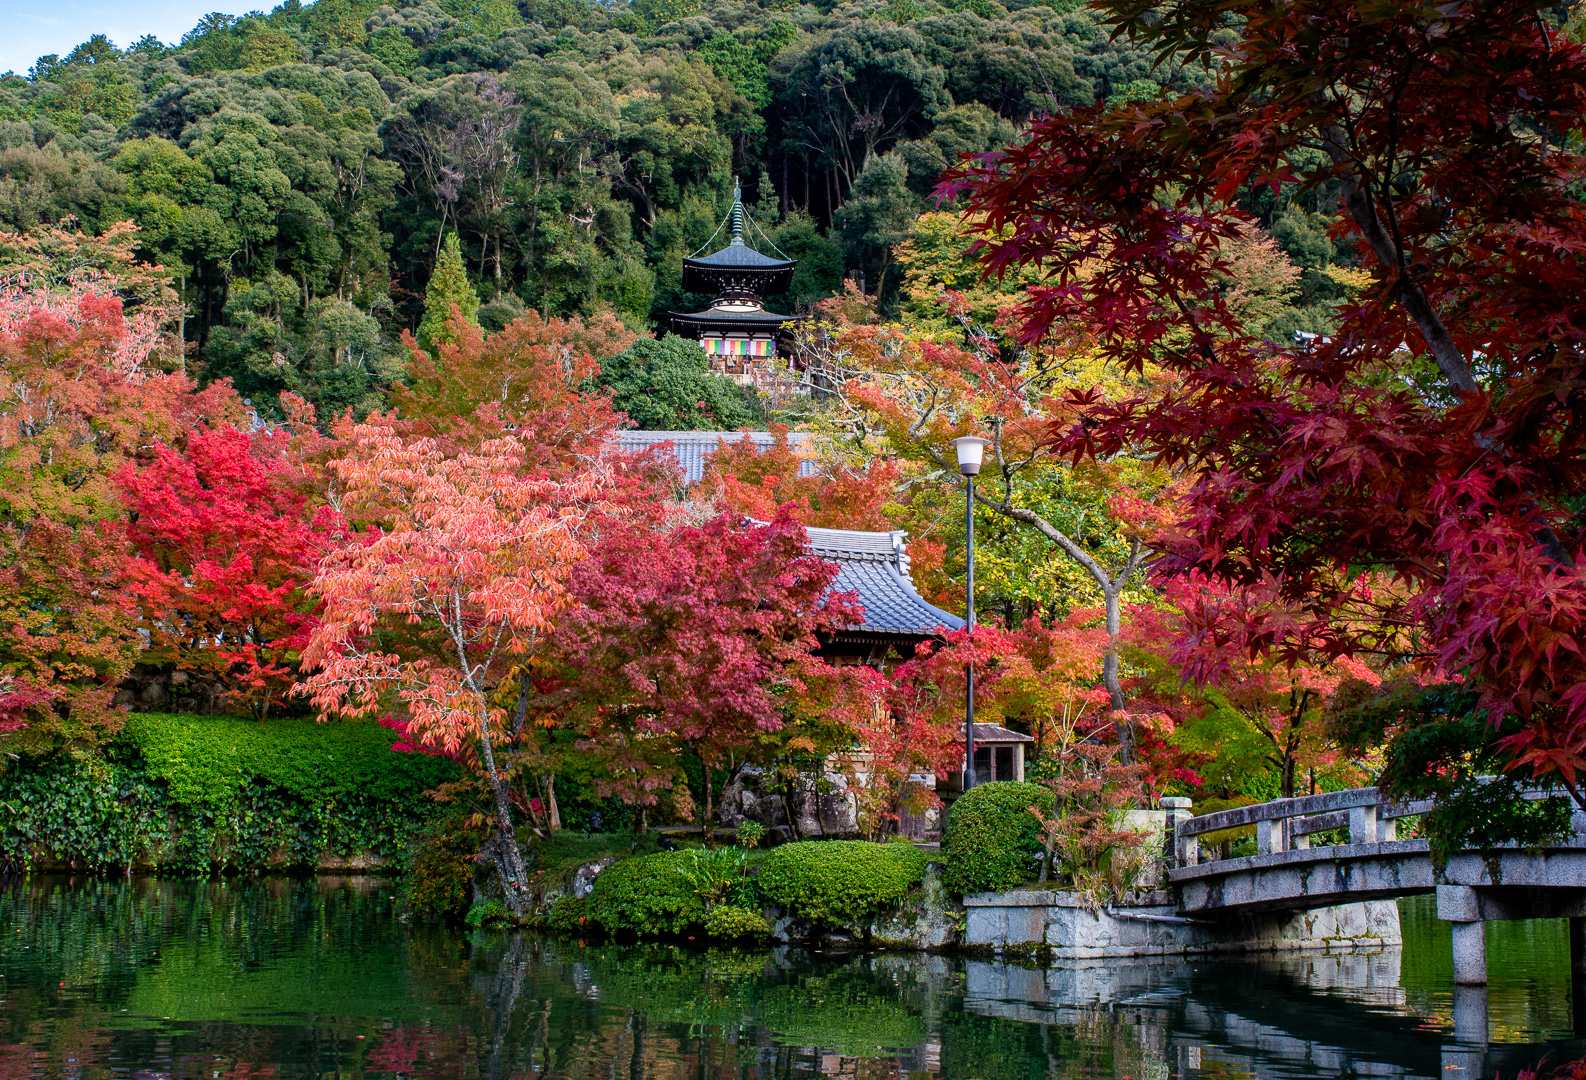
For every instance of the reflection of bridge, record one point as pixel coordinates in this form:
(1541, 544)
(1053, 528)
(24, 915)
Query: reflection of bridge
(1272, 1017)
(1288, 873)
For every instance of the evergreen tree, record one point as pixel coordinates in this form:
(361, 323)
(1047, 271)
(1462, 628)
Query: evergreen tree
(448, 286)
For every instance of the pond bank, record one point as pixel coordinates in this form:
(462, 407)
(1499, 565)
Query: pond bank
(1038, 923)
(1058, 923)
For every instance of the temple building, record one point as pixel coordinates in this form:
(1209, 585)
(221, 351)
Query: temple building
(736, 331)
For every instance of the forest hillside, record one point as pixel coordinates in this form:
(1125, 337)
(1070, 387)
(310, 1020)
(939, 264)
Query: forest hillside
(297, 172)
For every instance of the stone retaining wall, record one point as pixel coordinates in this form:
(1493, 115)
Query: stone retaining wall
(1038, 918)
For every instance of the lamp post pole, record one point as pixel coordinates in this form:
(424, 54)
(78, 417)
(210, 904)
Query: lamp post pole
(971, 450)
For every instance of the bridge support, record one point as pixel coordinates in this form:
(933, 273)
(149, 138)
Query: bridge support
(1460, 905)
(1470, 954)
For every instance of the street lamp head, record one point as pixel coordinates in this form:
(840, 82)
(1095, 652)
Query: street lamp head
(971, 452)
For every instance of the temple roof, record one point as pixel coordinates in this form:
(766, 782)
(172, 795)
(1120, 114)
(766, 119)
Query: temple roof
(737, 269)
(692, 449)
(728, 318)
(876, 566)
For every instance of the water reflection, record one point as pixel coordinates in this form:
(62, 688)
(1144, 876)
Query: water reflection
(149, 980)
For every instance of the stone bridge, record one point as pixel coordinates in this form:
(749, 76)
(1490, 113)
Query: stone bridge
(1288, 872)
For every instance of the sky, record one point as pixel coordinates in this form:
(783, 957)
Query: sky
(33, 28)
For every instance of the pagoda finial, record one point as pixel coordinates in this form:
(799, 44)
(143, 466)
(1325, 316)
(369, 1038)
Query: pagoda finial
(737, 212)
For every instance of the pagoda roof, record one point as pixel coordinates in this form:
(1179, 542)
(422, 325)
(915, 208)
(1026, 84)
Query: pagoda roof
(737, 269)
(738, 255)
(876, 566)
(727, 318)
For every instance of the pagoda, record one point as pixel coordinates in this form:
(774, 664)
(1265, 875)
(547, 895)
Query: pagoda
(736, 331)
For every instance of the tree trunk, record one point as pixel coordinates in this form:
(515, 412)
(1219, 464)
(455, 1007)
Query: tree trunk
(792, 817)
(1127, 752)
(551, 806)
(514, 876)
(707, 821)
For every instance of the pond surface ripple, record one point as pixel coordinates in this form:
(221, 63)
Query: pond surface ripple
(289, 979)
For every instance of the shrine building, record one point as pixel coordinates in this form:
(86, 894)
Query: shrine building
(737, 333)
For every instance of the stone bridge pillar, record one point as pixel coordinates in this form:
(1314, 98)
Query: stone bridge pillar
(1459, 905)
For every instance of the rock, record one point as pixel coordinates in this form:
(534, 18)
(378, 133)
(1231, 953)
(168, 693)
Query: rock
(734, 803)
(785, 929)
(929, 919)
(584, 877)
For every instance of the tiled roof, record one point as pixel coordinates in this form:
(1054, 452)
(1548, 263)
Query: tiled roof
(738, 254)
(985, 733)
(734, 315)
(691, 449)
(876, 566)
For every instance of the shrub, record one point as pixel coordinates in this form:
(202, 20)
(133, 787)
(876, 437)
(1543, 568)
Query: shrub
(569, 916)
(837, 883)
(439, 878)
(648, 895)
(992, 841)
(750, 833)
(200, 793)
(728, 922)
(491, 914)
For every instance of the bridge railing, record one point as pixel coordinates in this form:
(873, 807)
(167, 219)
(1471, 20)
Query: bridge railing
(1289, 824)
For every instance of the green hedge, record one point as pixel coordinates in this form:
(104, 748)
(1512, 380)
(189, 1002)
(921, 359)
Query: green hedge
(992, 841)
(195, 793)
(652, 894)
(837, 883)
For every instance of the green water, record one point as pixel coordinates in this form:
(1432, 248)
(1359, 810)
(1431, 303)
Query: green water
(278, 980)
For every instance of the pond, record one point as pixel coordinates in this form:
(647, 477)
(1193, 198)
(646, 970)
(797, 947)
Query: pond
(258, 980)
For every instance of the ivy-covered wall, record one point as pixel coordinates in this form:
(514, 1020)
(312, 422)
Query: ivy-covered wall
(195, 794)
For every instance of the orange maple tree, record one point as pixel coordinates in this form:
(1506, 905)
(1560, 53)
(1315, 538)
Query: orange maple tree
(432, 607)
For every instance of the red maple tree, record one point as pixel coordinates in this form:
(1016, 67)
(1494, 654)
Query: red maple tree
(224, 545)
(1406, 486)
(693, 638)
(82, 392)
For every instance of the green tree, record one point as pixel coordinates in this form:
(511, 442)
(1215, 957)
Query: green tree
(448, 288)
(666, 385)
(878, 216)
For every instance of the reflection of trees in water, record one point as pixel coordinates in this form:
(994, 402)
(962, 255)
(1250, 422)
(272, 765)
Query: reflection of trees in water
(292, 980)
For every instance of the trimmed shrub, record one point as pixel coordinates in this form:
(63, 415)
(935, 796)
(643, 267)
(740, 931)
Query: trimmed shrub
(992, 841)
(211, 760)
(836, 883)
(729, 923)
(652, 894)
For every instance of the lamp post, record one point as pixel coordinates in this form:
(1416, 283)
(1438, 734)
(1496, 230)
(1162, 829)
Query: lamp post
(971, 451)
